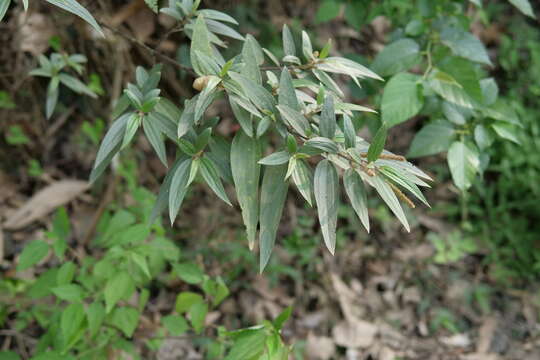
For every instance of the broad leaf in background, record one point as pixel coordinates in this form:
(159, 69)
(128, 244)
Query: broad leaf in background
(432, 139)
(273, 194)
(402, 99)
(326, 186)
(33, 253)
(398, 56)
(524, 6)
(245, 155)
(449, 89)
(464, 163)
(465, 44)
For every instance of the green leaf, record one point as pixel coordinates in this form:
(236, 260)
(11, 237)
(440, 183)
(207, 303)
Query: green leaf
(217, 15)
(389, 197)
(152, 4)
(211, 176)
(95, 314)
(303, 179)
(355, 189)
(189, 272)
(327, 123)
(277, 158)
(197, 314)
(523, 5)
(483, 136)
(119, 286)
(132, 126)
(245, 155)
(244, 118)
(249, 344)
(153, 135)
(126, 319)
(307, 48)
(75, 8)
(288, 41)
(286, 93)
(178, 188)
(404, 182)
(506, 131)
(258, 95)
(432, 139)
(4, 5)
(76, 85)
(465, 44)
(249, 57)
(52, 97)
(398, 56)
(328, 10)
(377, 145)
(176, 325)
(109, 146)
(449, 89)
(464, 73)
(326, 185)
(71, 321)
(33, 253)
(69, 292)
(66, 273)
(206, 97)
(349, 132)
(163, 195)
(323, 144)
(455, 113)
(402, 99)
(295, 119)
(490, 91)
(185, 300)
(273, 194)
(464, 163)
(200, 41)
(141, 262)
(282, 318)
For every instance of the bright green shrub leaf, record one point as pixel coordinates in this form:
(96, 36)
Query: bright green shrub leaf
(377, 145)
(432, 139)
(69, 292)
(328, 10)
(250, 344)
(126, 319)
(326, 186)
(273, 194)
(303, 179)
(8, 355)
(464, 163)
(70, 322)
(66, 273)
(282, 318)
(455, 113)
(95, 314)
(398, 56)
(506, 131)
(178, 188)
(449, 89)
(523, 5)
(464, 73)
(141, 262)
(176, 325)
(483, 136)
(211, 176)
(75, 8)
(189, 272)
(33, 253)
(465, 44)
(245, 155)
(490, 91)
(185, 300)
(109, 146)
(197, 315)
(119, 286)
(355, 189)
(327, 123)
(402, 99)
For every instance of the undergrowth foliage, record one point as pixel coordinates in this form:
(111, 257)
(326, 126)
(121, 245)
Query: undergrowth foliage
(292, 106)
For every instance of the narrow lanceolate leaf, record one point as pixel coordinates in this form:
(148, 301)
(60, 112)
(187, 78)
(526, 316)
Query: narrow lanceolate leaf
(162, 200)
(295, 119)
(397, 56)
(277, 158)
(327, 124)
(432, 139)
(349, 131)
(464, 162)
(249, 58)
(76, 85)
(75, 8)
(131, 129)
(52, 97)
(178, 188)
(326, 185)
(245, 154)
(258, 95)
(287, 94)
(402, 99)
(303, 179)
(524, 6)
(307, 48)
(211, 176)
(200, 41)
(288, 42)
(404, 182)
(356, 191)
(205, 97)
(389, 197)
(4, 5)
(377, 145)
(273, 194)
(243, 117)
(151, 130)
(109, 146)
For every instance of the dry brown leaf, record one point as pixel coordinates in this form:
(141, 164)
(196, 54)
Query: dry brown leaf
(485, 335)
(45, 201)
(347, 299)
(356, 334)
(457, 340)
(35, 30)
(319, 347)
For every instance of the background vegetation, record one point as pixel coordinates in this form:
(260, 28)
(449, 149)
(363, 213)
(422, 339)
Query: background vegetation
(86, 275)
